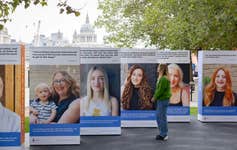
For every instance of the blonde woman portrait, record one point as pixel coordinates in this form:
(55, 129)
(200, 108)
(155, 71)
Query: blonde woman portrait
(180, 91)
(219, 91)
(98, 101)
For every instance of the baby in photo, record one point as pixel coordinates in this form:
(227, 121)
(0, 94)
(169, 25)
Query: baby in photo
(42, 109)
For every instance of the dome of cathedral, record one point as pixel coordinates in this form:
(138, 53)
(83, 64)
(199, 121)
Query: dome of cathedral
(87, 28)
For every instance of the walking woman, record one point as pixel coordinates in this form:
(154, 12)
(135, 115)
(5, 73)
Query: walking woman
(162, 96)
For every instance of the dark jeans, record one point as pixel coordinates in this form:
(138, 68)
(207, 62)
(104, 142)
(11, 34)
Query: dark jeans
(161, 116)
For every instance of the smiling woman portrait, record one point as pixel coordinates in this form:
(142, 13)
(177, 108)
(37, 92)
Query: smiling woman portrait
(219, 91)
(64, 91)
(136, 92)
(180, 91)
(98, 101)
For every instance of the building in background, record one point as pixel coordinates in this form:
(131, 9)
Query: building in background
(43, 40)
(87, 36)
(55, 40)
(5, 38)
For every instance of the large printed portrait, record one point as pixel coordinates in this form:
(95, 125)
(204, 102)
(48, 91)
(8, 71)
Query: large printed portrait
(11, 96)
(219, 85)
(179, 75)
(138, 84)
(100, 89)
(54, 94)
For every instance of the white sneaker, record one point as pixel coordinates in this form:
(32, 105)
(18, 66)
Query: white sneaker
(166, 138)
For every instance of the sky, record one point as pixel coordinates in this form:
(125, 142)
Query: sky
(24, 21)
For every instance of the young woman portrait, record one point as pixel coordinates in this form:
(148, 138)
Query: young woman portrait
(136, 92)
(98, 101)
(219, 91)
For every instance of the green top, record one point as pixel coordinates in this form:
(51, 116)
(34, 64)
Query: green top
(162, 91)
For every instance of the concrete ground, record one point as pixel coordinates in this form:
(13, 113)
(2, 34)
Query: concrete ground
(182, 136)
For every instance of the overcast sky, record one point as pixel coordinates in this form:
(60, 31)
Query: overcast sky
(24, 21)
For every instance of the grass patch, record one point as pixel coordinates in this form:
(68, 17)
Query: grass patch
(193, 111)
(27, 124)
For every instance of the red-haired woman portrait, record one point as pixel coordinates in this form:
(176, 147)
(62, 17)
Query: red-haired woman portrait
(219, 91)
(136, 93)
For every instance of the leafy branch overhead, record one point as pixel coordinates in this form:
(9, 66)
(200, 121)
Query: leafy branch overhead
(8, 7)
(173, 24)
(64, 7)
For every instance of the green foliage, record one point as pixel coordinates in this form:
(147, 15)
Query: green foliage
(1, 26)
(27, 124)
(8, 7)
(173, 24)
(205, 81)
(193, 111)
(64, 7)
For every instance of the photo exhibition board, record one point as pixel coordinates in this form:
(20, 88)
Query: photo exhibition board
(179, 70)
(138, 81)
(54, 80)
(100, 91)
(12, 89)
(217, 82)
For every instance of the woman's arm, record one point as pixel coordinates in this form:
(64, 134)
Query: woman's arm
(72, 114)
(160, 88)
(185, 96)
(114, 104)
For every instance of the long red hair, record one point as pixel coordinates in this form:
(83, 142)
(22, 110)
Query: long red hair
(144, 91)
(210, 89)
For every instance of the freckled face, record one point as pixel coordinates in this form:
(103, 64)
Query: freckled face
(174, 77)
(220, 79)
(97, 81)
(61, 86)
(137, 77)
(43, 94)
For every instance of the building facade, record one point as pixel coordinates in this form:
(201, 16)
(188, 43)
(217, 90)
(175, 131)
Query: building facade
(87, 35)
(5, 38)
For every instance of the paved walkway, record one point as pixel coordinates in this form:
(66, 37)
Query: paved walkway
(182, 136)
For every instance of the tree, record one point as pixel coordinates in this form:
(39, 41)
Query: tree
(9, 6)
(172, 24)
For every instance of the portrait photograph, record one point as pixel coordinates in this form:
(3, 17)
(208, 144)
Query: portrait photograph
(54, 94)
(219, 85)
(138, 83)
(100, 89)
(11, 98)
(179, 75)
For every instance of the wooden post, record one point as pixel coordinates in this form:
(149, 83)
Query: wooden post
(9, 87)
